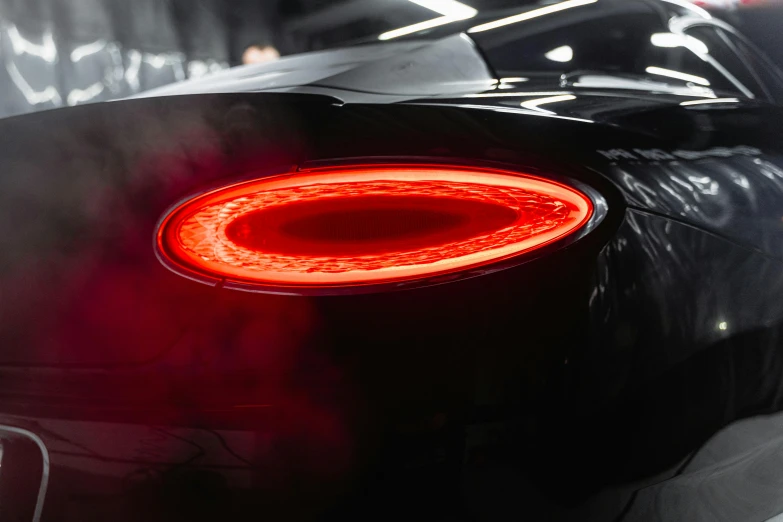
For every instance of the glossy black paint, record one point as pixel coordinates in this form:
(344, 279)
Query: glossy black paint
(579, 385)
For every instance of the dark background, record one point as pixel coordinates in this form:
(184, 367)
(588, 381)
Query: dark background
(55, 53)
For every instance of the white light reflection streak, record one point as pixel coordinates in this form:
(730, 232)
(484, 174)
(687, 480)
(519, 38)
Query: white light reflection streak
(513, 110)
(451, 10)
(533, 105)
(660, 71)
(529, 15)
(709, 102)
(517, 94)
(421, 26)
(701, 50)
(672, 40)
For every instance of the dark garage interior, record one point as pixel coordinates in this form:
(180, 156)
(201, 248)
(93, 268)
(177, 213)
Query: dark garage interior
(66, 52)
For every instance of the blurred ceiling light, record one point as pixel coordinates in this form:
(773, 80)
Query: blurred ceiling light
(678, 75)
(77, 96)
(534, 105)
(451, 10)
(711, 100)
(86, 50)
(46, 50)
(33, 97)
(535, 13)
(561, 54)
(671, 40)
(421, 26)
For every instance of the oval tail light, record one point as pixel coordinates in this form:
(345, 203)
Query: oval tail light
(353, 227)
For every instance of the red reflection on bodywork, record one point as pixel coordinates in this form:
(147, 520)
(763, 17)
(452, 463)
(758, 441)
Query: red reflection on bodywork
(363, 225)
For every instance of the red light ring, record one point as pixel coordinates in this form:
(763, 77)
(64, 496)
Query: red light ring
(194, 236)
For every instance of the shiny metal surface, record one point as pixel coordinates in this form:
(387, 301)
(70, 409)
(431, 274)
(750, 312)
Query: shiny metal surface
(406, 70)
(670, 337)
(675, 48)
(684, 162)
(44, 480)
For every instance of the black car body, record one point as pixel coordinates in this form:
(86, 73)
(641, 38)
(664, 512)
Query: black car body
(600, 378)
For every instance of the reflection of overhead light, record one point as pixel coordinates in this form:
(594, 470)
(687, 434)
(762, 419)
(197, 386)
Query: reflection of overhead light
(132, 71)
(561, 54)
(688, 5)
(421, 26)
(679, 40)
(33, 97)
(515, 110)
(158, 61)
(451, 10)
(678, 75)
(517, 94)
(87, 49)
(77, 96)
(513, 80)
(711, 100)
(535, 13)
(533, 105)
(599, 81)
(47, 50)
(723, 325)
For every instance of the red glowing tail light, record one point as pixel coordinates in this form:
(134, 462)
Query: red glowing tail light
(358, 226)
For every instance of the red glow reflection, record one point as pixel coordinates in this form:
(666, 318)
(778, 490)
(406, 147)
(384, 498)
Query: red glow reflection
(363, 225)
